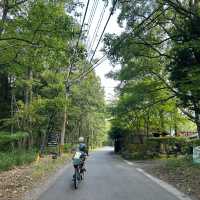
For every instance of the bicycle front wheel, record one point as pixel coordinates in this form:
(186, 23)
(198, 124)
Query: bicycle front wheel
(76, 178)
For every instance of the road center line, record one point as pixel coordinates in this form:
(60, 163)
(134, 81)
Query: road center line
(165, 185)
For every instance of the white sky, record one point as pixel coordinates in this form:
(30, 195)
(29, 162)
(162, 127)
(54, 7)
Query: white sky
(112, 27)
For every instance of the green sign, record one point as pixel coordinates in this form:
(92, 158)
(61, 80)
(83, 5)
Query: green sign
(196, 155)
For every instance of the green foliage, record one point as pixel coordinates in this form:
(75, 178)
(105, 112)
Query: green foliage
(6, 137)
(67, 148)
(117, 132)
(9, 141)
(182, 162)
(168, 140)
(183, 142)
(37, 52)
(154, 147)
(159, 75)
(11, 159)
(148, 150)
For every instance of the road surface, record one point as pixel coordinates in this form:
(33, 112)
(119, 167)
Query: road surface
(108, 178)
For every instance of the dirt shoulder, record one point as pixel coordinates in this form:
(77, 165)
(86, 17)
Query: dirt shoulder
(179, 172)
(16, 183)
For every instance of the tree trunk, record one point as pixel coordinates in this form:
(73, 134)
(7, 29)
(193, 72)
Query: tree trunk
(162, 124)
(194, 6)
(4, 14)
(147, 123)
(28, 99)
(5, 96)
(197, 121)
(62, 141)
(175, 122)
(198, 129)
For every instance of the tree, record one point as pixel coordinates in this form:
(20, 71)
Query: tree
(157, 38)
(37, 51)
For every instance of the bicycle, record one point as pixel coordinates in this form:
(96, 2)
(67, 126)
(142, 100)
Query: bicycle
(79, 170)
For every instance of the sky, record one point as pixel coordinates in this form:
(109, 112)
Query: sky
(107, 83)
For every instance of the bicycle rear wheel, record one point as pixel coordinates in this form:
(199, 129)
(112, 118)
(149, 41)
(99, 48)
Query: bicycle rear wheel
(82, 175)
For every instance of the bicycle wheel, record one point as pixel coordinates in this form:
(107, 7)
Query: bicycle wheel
(82, 175)
(76, 178)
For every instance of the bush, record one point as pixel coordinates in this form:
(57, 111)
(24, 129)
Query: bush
(6, 137)
(141, 151)
(165, 145)
(67, 148)
(8, 160)
(168, 140)
(7, 140)
(181, 162)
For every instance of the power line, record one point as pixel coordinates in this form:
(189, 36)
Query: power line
(80, 33)
(91, 68)
(97, 28)
(111, 13)
(86, 10)
(96, 64)
(92, 14)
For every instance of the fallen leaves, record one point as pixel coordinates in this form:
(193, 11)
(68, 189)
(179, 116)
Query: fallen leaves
(186, 178)
(16, 182)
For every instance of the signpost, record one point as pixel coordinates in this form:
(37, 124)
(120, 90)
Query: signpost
(53, 141)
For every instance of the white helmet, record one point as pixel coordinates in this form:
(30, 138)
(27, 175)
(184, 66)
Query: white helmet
(81, 139)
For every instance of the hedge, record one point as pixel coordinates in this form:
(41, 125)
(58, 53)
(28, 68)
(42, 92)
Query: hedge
(152, 147)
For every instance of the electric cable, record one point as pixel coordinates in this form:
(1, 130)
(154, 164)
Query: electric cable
(80, 33)
(92, 14)
(111, 13)
(90, 44)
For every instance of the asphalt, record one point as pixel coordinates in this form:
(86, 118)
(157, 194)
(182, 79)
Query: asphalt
(108, 178)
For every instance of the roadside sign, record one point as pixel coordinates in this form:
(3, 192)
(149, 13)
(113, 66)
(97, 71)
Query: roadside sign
(196, 154)
(53, 140)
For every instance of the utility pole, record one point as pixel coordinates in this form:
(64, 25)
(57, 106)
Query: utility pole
(63, 130)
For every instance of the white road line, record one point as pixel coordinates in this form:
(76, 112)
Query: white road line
(128, 162)
(165, 185)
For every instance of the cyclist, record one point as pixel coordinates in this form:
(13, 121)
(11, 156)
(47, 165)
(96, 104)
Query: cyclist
(82, 146)
(80, 155)
(84, 151)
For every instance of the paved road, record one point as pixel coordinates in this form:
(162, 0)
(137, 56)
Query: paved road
(108, 178)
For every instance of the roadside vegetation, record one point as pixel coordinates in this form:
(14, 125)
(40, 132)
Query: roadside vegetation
(9, 160)
(22, 181)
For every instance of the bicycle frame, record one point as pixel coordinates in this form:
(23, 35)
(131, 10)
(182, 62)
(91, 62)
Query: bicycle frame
(78, 161)
(78, 174)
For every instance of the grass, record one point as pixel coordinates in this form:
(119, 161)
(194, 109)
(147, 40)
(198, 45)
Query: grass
(15, 183)
(47, 166)
(9, 160)
(182, 162)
